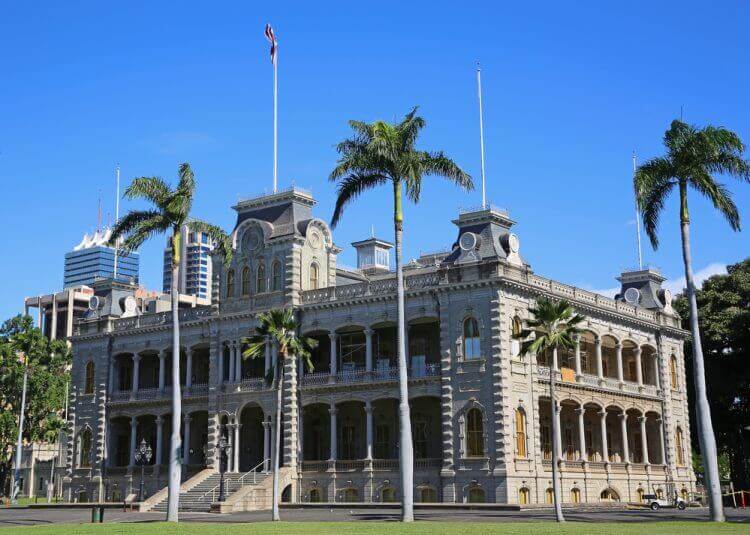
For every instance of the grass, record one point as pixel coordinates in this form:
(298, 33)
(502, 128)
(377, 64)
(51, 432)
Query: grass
(391, 528)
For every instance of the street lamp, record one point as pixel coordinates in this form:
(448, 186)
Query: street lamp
(143, 457)
(224, 449)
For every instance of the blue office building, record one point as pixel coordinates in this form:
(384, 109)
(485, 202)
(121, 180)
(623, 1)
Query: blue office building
(93, 259)
(195, 275)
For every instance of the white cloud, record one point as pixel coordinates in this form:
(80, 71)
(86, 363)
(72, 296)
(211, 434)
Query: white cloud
(677, 284)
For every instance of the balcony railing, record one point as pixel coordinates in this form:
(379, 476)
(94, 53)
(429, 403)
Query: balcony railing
(608, 383)
(360, 375)
(358, 465)
(155, 393)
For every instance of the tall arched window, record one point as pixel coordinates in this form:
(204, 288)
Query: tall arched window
(260, 279)
(427, 495)
(245, 282)
(523, 496)
(314, 276)
(472, 349)
(673, 371)
(678, 445)
(520, 433)
(88, 387)
(549, 495)
(315, 495)
(575, 495)
(230, 283)
(276, 276)
(476, 495)
(84, 448)
(474, 433)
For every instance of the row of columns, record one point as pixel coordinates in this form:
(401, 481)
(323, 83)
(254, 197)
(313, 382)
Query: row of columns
(368, 431)
(618, 349)
(160, 439)
(162, 371)
(334, 351)
(233, 433)
(235, 361)
(583, 455)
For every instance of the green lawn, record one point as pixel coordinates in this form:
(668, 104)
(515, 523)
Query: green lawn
(390, 528)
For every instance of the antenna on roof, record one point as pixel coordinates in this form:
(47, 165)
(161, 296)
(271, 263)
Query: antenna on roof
(481, 134)
(99, 212)
(372, 231)
(637, 222)
(117, 215)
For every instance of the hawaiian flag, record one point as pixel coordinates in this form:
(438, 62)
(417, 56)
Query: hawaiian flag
(271, 39)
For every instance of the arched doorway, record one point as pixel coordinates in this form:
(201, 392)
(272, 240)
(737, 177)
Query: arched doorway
(252, 437)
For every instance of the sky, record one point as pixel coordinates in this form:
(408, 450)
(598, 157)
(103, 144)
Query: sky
(570, 91)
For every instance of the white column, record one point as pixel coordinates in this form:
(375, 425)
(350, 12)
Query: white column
(603, 426)
(230, 440)
(266, 444)
(113, 369)
(644, 440)
(578, 355)
(618, 349)
(232, 366)
(624, 431)
(53, 330)
(581, 412)
(136, 371)
(133, 438)
(368, 414)
(267, 365)
(334, 434)
(638, 368)
(189, 369)
(221, 364)
(657, 381)
(159, 438)
(599, 367)
(69, 318)
(238, 361)
(237, 447)
(558, 410)
(186, 440)
(334, 353)
(368, 349)
(162, 369)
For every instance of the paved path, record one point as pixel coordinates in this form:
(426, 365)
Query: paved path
(10, 517)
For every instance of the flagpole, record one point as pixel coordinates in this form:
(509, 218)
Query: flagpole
(638, 223)
(275, 121)
(117, 215)
(481, 134)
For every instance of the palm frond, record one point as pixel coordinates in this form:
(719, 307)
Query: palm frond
(351, 187)
(130, 222)
(409, 129)
(151, 188)
(438, 164)
(222, 241)
(719, 195)
(144, 231)
(652, 182)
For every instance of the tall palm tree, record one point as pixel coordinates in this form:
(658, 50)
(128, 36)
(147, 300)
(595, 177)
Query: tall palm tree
(170, 213)
(379, 153)
(553, 326)
(280, 328)
(693, 156)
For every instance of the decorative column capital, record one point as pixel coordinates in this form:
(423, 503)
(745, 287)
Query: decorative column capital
(580, 411)
(368, 407)
(641, 419)
(136, 357)
(598, 341)
(133, 421)
(602, 414)
(333, 410)
(637, 351)
(333, 336)
(618, 346)
(623, 416)
(369, 332)
(186, 418)
(159, 420)
(162, 354)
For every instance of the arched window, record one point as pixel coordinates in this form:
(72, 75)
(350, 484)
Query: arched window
(575, 495)
(388, 495)
(474, 433)
(351, 495)
(549, 495)
(678, 445)
(609, 495)
(314, 276)
(476, 495)
(472, 349)
(230, 283)
(520, 432)
(88, 388)
(684, 494)
(517, 327)
(260, 279)
(673, 371)
(523, 496)
(84, 448)
(427, 495)
(515, 342)
(660, 493)
(420, 434)
(640, 494)
(245, 283)
(314, 495)
(276, 276)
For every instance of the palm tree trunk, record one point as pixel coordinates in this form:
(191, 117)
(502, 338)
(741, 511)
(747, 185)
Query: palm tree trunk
(555, 440)
(275, 450)
(406, 453)
(703, 411)
(175, 468)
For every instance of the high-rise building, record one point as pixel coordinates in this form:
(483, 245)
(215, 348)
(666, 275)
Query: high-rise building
(93, 259)
(195, 275)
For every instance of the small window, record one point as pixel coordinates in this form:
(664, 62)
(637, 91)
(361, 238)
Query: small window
(476, 495)
(84, 441)
(315, 495)
(314, 276)
(472, 349)
(245, 284)
(575, 496)
(474, 433)
(549, 495)
(276, 277)
(678, 445)
(388, 495)
(673, 371)
(351, 495)
(427, 495)
(640, 494)
(230, 283)
(89, 386)
(517, 327)
(260, 279)
(523, 496)
(520, 433)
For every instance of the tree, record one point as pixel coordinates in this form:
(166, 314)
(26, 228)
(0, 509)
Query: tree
(380, 153)
(170, 213)
(48, 362)
(279, 327)
(693, 156)
(553, 326)
(724, 323)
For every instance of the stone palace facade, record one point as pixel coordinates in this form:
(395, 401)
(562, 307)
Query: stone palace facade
(480, 411)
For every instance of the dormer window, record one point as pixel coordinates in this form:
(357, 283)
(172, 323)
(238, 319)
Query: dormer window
(314, 276)
(260, 282)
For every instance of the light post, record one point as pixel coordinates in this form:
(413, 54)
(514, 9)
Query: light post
(15, 488)
(143, 456)
(224, 449)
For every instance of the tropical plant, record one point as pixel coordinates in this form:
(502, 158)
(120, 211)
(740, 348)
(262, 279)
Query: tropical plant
(377, 154)
(693, 157)
(553, 325)
(170, 213)
(279, 327)
(46, 364)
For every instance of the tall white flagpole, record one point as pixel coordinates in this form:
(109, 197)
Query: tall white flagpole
(481, 134)
(117, 214)
(638, 223)
(275, 119)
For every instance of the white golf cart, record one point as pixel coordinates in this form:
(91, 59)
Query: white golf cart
(658, 500)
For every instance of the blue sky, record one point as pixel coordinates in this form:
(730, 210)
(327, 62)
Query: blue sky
(570, 90)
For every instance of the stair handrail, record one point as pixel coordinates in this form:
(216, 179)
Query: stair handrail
(253, 470)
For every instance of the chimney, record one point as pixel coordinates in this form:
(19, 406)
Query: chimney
(373, 255)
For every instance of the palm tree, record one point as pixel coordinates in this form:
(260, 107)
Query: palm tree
(170, 213)
(553, 326)
(693, 156)
(379, 153)
(280, 328)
